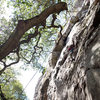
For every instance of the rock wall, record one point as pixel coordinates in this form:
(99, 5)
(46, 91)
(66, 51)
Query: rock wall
(74, 74)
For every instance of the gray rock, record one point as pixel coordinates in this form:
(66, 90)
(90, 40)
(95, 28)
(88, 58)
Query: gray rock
(79, 79)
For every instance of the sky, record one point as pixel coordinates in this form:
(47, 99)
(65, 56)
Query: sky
(7, 11)
(29, 75)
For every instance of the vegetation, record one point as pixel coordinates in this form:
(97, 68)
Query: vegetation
(28, 31)
(29, 34)
(10, 87)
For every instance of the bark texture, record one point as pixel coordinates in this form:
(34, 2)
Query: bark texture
(75, 75)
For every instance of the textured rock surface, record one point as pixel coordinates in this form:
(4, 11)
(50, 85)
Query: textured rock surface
(79, 79)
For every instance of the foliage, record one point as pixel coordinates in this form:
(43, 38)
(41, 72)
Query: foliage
(44, 70)
(34, 52)
(39, 47)
(11, 87)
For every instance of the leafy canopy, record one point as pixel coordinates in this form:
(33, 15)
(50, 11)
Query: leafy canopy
(34, 51)
(10, 87)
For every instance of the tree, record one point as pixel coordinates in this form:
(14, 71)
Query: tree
(19, 36)
(10, 87)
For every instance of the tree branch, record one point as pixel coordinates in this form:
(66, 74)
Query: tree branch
(6, 66)
(24, 25)
(30, 36)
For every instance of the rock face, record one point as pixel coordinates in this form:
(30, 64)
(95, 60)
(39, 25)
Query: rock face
(73, 72)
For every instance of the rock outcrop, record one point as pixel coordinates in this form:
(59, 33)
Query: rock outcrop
(73, 72)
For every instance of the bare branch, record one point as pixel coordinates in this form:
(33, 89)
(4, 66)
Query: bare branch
(36, 46)
(6, 66)
(54, 18)
(30, 36)
(60, 34)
